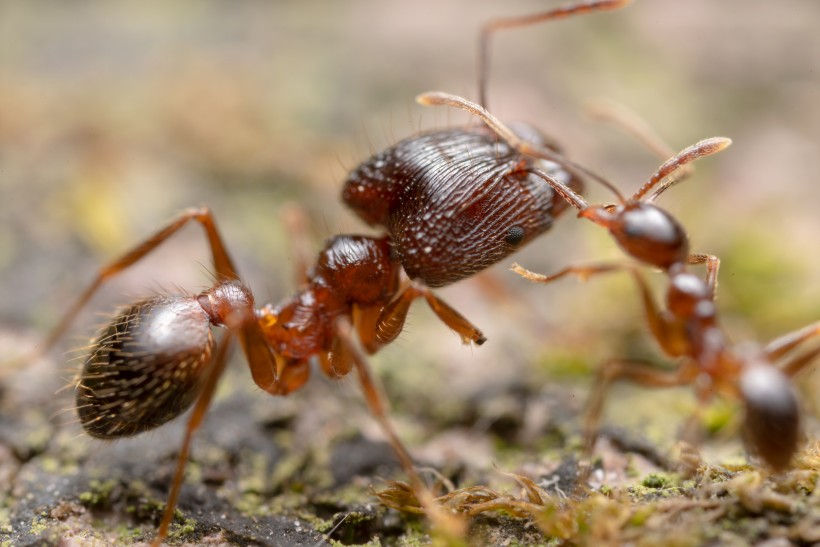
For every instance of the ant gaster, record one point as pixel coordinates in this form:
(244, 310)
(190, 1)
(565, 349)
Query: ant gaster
(453, 202)
(687, 328)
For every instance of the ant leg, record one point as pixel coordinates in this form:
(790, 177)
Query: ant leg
(270, 371)
(450, 317)
(627, 120)
(337, 362)
(378, 405)
(606, 110)
(583, 272)
(378, 326)
(672, 340)
(797, 363)
(203, 401)
(366, 323)
(782, 345)
(374, 395)
(517, 22)
(617, 370)
(222, 264)
(391, 319)
(712, 266)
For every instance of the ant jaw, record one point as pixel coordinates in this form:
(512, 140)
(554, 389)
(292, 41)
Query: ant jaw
(602, 216)
(772, 420)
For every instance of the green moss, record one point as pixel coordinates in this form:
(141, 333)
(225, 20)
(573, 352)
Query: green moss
(763, 268)
(414, 538)
(128, 534)
(251, 504)
(567, 365)
(40, 432)
(641, 515)
(50, 464)
(38, 526)
(99, 494)
(718, 416)
(255, 473)
(351, 495)
(180, 531)
(656, 480)
(375, 542)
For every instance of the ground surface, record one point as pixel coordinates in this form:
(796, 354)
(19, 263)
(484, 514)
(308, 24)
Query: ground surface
(112, 119)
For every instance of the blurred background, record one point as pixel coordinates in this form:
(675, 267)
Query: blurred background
(115, 116)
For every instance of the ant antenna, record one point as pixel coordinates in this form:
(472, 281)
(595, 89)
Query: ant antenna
(706, 147)
(608, 110)
(440, 98)
(569, 195)
(524, 21)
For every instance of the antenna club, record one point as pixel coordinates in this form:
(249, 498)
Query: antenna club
(431, 98)
(715, 144)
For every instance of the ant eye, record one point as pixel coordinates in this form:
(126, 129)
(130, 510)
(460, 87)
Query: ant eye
(514, 235)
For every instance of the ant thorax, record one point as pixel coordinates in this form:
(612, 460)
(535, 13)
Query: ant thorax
(350, 271)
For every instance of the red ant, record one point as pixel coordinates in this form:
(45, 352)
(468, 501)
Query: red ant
(456, 201)
(453, 202)
(688, 328)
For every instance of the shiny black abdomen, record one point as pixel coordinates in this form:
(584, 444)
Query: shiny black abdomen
(145, 368)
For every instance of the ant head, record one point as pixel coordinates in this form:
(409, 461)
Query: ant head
(644, 231)
(772, 420)
(369, 192)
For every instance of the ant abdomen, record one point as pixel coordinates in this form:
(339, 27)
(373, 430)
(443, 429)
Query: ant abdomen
(454, 201)
(772, 424)
(145, 367)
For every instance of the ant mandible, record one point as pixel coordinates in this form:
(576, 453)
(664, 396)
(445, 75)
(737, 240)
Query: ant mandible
(453, 202)
(687, 328)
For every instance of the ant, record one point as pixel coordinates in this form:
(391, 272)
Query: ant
(687, 329)
(453, 202)
(456, 201)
